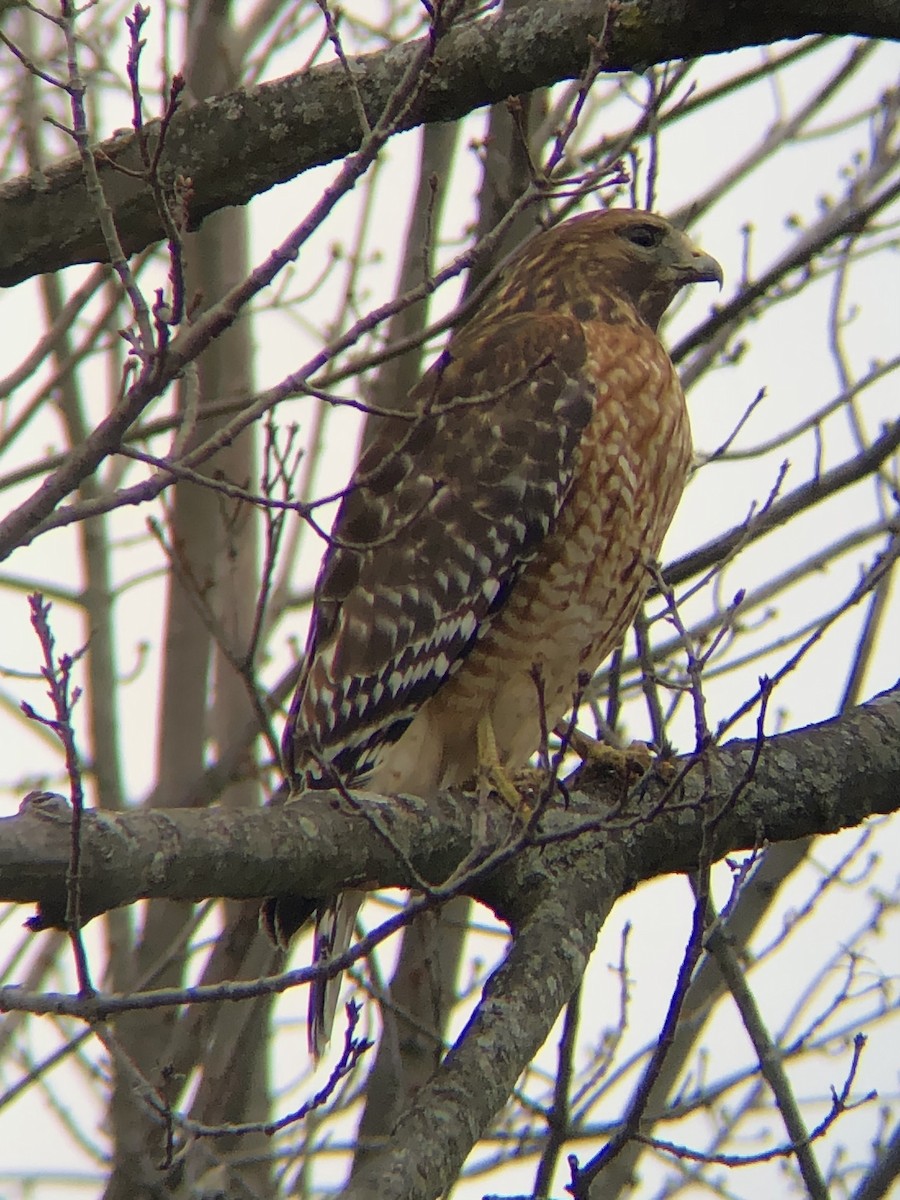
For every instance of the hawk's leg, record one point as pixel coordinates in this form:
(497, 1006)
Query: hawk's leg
(490, 769)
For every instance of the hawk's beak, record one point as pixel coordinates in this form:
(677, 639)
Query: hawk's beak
(700, 268)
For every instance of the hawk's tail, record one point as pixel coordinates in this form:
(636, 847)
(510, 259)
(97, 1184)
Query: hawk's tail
(335, 922)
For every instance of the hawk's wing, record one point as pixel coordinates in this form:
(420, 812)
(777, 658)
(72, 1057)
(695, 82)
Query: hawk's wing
(441, 515)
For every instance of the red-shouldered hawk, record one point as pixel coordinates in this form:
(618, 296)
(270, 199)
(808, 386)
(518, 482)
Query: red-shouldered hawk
(504, 529)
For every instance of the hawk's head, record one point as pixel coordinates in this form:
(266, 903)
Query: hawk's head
(629, 254)
(649, 259)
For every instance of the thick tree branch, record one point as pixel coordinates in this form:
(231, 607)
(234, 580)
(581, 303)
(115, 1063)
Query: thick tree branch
(525, 994)
(814, 780)
(519, 1004)
(235, 146)
(556, 896)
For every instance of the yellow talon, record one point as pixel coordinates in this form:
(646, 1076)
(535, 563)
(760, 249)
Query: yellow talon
(634, 760)
(490, 769)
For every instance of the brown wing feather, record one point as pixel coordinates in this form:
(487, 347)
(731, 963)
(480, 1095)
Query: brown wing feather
(440, 517)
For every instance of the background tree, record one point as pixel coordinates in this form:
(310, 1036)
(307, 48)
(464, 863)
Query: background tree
(185, 385)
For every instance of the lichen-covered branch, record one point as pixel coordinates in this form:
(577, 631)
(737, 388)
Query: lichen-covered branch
(234, 146)
(811, 781)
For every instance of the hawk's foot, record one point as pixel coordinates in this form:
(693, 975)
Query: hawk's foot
(531, 781)
(630, 762)
(492, 775)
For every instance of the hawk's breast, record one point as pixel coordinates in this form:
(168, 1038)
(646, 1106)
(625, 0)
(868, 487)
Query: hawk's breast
(574, 602)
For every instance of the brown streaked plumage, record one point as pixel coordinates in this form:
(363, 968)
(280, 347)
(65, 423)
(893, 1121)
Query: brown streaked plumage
(507, 526)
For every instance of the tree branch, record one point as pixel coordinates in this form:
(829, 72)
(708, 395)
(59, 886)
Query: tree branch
(234, 146)
(811, 781)
(520, 1002)
(524, 995)
(555, 894)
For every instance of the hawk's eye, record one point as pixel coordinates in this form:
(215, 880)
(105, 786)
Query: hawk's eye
(643, 235)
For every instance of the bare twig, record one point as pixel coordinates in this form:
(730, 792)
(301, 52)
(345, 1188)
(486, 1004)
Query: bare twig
(57, 674)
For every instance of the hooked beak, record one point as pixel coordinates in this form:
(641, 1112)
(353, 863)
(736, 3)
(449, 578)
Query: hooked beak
(699, 267)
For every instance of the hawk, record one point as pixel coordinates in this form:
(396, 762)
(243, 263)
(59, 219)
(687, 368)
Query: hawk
(497, 536)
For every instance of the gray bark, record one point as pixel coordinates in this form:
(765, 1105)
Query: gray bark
(234, 146)
(815, 780)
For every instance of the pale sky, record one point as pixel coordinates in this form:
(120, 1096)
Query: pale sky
(787, 355)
